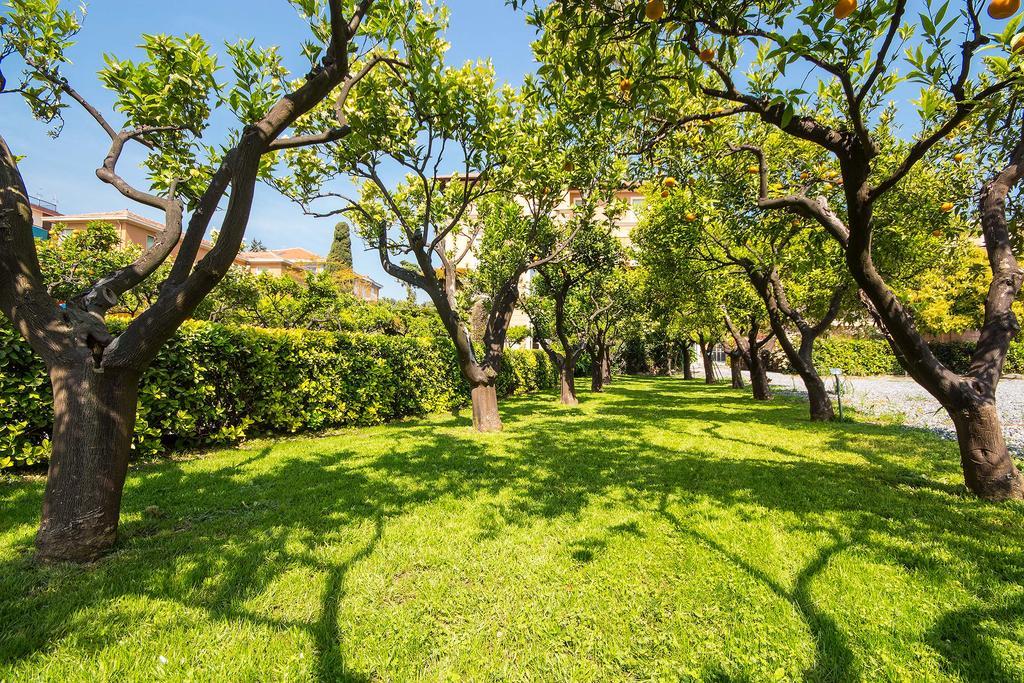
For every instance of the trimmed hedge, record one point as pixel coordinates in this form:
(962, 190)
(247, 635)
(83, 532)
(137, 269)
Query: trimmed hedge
(862, 357)
(856, 356)
(215, 384)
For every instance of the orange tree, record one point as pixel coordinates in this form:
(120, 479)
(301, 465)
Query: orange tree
(823, 74)
(165, 102)
(686, 259)
(798, 272)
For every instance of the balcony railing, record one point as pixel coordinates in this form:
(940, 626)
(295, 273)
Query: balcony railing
(43, 204)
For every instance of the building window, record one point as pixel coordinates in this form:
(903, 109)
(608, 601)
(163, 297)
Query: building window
(150, 241)
(637, 203)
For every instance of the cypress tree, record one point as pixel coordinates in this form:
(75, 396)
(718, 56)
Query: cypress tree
(340, 256)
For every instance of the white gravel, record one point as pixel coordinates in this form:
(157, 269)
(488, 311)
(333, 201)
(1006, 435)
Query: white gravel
(901, 398)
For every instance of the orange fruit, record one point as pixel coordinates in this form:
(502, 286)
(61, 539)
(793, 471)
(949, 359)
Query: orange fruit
(670, 182)
(937, 233)
(1017, 42)
(655, 10)
(958, 157)
(946, 207)
(1003, 9)
(707, 54)
(753, 169)
(625, 85)
(691, 217)
(664, 194)
(845, 8)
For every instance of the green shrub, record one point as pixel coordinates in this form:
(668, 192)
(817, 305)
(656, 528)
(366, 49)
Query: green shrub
(1015, 358)
(856, 356)
(874, 357)
(215, 384)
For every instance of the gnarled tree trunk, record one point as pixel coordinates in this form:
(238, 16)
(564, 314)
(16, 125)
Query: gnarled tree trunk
(706, 354)
(970, 399)
(768, 284)
(596, 369)
(817, 396)
(687, 361)
(94, 422)
(989, 471)
(736, 368)
(606, 365)
(485, 408)
(567, 382)
(751, 349)
(759, 383)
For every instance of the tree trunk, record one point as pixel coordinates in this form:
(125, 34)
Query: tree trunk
(989, 471)
(709, 364)
(736, 369)
(606, 365)
(597, 371)
(817, 395)
(94, 422)
(485, 408)
(687, 362)
(762, 390)
(568, 383)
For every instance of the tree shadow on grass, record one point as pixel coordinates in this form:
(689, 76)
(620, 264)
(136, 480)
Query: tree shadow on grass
(231, 532)
(965, 638)
(834, 660)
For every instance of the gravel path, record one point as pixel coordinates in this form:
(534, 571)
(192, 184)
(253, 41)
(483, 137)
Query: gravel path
(902, 397)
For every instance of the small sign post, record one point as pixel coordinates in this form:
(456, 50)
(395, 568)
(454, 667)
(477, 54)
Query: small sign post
(837, 373)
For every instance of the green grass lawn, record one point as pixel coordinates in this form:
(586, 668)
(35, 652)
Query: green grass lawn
(663, 531)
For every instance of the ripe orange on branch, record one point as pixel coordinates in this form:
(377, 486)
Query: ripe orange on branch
(845, 8)
(946, 207)
(670, 182)
(1017, 42)
(753, 169)
(1003, 9)
(625, 85)
(707, 54)
(655, 10)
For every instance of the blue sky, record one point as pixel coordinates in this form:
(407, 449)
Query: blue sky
(63, 170)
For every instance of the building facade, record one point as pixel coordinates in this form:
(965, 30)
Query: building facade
(293, 262)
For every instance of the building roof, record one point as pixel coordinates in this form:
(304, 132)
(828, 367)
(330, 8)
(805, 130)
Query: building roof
(298, 254)
(263, 257)
(367, 278)
(123, 215)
